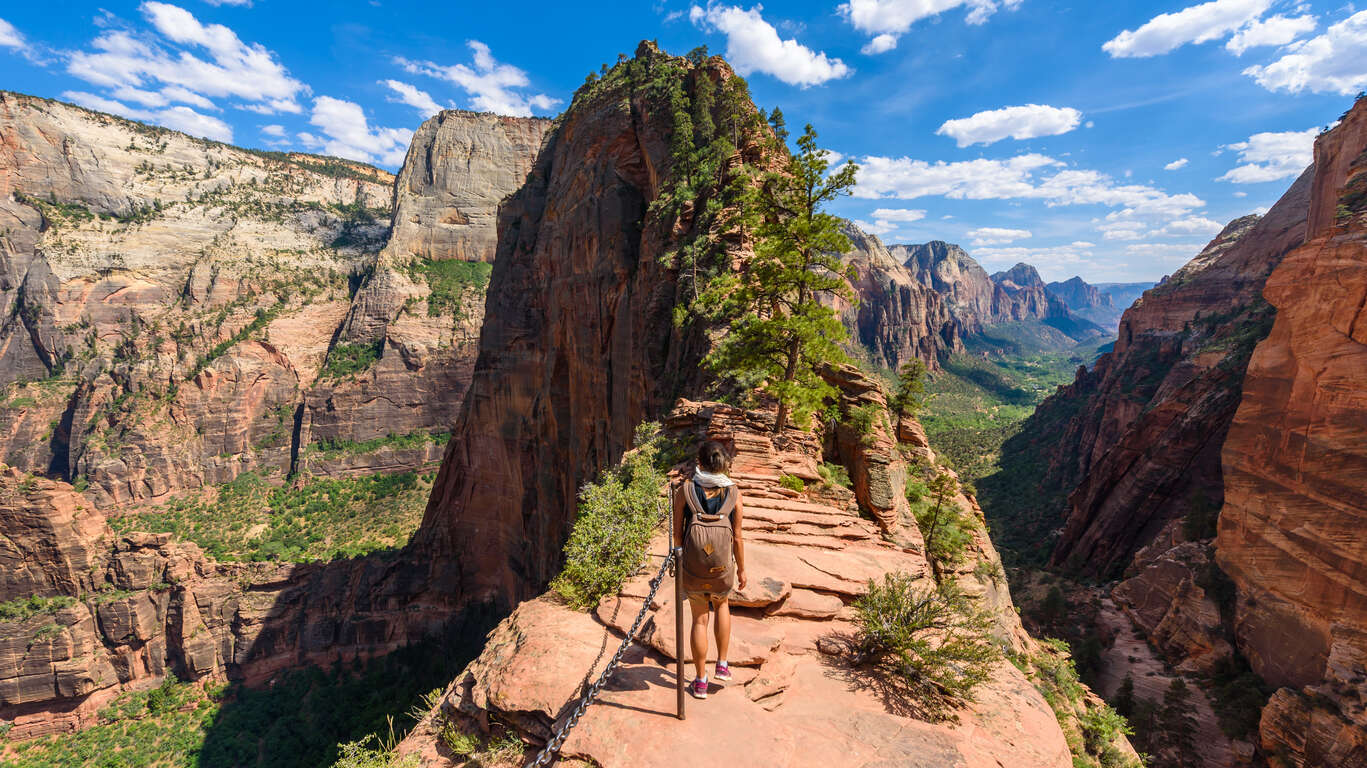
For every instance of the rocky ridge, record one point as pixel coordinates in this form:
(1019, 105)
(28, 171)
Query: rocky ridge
(792, 701)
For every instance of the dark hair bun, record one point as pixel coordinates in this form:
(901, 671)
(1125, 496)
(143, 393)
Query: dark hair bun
(712, 457)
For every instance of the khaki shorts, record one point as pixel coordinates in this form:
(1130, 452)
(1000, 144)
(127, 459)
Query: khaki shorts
(713, 599)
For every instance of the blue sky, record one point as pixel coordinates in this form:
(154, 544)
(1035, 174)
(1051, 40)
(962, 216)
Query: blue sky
(1110, 140)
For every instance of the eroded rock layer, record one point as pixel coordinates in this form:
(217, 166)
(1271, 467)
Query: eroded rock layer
(179, 312)
(1138, 435)
(1295, 472)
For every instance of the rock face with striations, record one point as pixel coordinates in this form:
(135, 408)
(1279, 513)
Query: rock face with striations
(179, 312)
(1141, 448)
(460, 166)
(1295, 476)
(896, 319)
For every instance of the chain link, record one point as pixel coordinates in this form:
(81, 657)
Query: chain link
(547, 754)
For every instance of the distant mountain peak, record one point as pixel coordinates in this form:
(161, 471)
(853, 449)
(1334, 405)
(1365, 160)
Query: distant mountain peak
(1022, 275)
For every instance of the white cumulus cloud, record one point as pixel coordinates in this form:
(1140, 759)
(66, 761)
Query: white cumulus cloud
(413, 97)
(1196, 24)
(997, 235)
(493, 86)
(886, 20)
(9, 36)
(1274, 30)
(278, 131)
(753, 45)
(879, 44)
(348, 134)
(1028, 176)
(1332, 62)
(1180, 162)
(1272, 156)
(185, 61)
(1023, 122)
(1053, 262)
(179, 117)
(887, 220)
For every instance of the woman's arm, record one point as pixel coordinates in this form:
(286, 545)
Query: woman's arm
(678, 516)
(738, 543)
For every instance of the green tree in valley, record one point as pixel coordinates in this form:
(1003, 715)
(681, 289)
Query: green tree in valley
(910, 396)
(941, 525)
(781, 334)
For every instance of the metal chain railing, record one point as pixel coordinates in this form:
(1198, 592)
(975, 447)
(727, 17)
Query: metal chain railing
(547, 754)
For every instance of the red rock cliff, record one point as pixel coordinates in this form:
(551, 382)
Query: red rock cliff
(1295, 471)
(582, 346)
(1143, 442)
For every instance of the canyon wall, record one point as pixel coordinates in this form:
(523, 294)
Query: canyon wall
(896, 318)
(1213, 461)
(979, 301)
(178, 312)
(583, 346)
(1295, 477)
(1141, 447)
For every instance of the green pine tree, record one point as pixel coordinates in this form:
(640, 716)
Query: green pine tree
(781, 334)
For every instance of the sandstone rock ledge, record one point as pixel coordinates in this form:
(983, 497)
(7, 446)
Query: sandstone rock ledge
(791, 703)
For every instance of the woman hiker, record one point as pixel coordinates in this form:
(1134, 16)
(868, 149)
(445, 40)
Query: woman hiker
(707, 520)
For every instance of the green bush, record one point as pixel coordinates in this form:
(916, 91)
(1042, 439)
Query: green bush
(833, 475)
(1101, 726)
(24, 608)
(792, 483)
(864, 421)
(932, 643)
(617, 514)
(252, 519)
(346, 360)
(947, 532)
(448, 282)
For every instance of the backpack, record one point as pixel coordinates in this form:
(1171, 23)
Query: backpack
(708, 565)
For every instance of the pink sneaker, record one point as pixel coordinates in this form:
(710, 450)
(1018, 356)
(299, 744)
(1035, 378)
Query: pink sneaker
(699, 688)
(723, 671)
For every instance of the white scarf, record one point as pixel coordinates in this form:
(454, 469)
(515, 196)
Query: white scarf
(709, 480)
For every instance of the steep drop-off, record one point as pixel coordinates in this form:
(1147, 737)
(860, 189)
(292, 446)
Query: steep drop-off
(1232, 402)
(1134, 442)
(1295, 477)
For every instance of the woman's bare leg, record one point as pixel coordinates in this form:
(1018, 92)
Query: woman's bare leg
(700, 614)
(723, 628)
